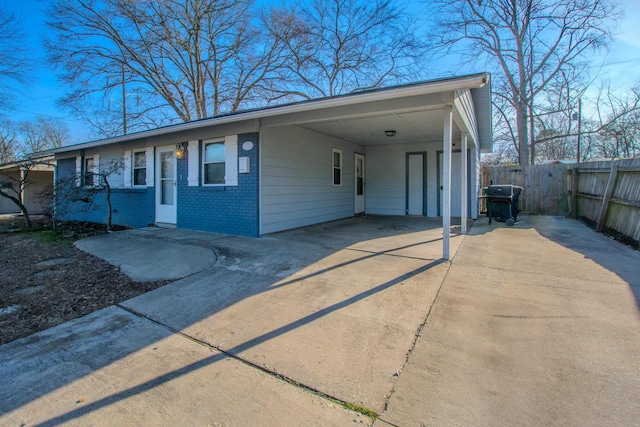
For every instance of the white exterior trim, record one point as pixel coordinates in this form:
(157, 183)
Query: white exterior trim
(78, 171)
(464, 208)
(340, 167)
(447, 145)
(96, 170)
(231, 160)
(193, 156)
(425, 88)
(127, 169)
(132, 182)
(151, 161)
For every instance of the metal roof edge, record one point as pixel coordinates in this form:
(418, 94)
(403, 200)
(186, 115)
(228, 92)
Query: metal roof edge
(36, 158)
(469, 81)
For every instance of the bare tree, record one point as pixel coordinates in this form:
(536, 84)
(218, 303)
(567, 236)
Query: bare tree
(74, 193)
(42, 134)
(13, 185)
(341, 46)
(14, 64)
(530, 42)
(617, 130)
(20, 141)
(182, 59)
(8, 142)
(613, 130)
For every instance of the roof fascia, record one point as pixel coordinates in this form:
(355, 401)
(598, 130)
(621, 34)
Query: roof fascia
(466, 82)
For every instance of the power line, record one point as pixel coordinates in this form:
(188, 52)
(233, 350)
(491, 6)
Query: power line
(44, 115)
(608, 64)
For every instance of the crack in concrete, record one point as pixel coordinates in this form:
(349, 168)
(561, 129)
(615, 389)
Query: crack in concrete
(415, 341)
(347, 405)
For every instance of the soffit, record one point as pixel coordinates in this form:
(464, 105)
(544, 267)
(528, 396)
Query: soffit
(413, 126)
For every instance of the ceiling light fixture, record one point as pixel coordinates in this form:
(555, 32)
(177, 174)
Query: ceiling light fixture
(390, 133)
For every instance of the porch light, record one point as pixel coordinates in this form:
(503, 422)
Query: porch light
(390, 133)
(180, 150)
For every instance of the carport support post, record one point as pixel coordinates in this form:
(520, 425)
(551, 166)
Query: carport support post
(463, 184)
(446, 180)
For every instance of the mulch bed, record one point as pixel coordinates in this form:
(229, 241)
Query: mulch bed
(45, 280)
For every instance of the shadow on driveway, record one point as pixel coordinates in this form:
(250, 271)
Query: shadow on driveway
(336, 314)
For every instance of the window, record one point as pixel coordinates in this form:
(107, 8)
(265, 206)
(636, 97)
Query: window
(213, 165)
(337, 167)
(139, 168)
(87, 177)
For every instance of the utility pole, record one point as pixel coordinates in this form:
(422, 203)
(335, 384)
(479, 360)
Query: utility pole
(124, 103)
(579, 128)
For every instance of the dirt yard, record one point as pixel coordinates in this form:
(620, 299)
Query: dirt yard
(45, 280)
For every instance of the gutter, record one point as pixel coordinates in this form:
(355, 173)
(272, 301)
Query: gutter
(381, 94)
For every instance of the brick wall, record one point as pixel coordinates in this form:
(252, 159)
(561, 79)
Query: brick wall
(228, 209)
(225, 209)
(131, 207)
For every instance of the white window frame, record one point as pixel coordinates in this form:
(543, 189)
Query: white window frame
(133, 168)
(334, 167)
(85, 172)
(202, 163)
(96, 170)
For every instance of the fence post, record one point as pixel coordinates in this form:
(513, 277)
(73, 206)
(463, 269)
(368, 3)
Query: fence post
(574, 192)
(607, 196)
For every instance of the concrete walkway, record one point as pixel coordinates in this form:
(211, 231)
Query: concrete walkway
(534, 325)
(325, 325)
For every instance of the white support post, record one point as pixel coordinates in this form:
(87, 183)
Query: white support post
(447, 144)
(464, 209)
(23, 185)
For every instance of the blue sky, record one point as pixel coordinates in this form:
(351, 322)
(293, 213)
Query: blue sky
(620, 65)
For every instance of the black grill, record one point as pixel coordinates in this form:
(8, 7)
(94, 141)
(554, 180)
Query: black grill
(502, 203)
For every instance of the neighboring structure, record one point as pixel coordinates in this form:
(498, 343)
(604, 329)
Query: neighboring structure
(36, 177)
(390, 151)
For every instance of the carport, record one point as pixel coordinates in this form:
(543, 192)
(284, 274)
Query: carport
(26, 181)
(412, 137)
(409, 150)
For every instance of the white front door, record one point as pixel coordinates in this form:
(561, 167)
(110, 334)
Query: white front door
(166, 185)
(415, 184)
(455, 183)
(359, 184)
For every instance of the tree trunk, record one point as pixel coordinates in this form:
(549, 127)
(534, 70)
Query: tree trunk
(23, 208)
(523, 134)
(109, 207)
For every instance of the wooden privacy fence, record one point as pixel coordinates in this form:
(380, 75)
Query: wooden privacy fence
(544, 186)
(608, 194)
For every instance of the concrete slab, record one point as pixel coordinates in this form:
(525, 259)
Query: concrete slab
(545, 332)
(147, 259)
(342, 325)
(532, 325)
(114, 368)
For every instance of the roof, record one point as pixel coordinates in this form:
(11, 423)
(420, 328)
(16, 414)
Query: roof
(42, 158)
(478, 83)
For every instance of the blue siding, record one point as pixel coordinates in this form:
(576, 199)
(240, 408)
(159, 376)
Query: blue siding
(230, 209)
(131, 207)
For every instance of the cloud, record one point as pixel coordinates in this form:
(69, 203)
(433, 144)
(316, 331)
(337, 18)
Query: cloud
(628, 29)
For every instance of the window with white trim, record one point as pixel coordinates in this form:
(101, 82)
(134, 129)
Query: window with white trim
(337, 166)
(88, 172)
(139, 168)
(213, 163)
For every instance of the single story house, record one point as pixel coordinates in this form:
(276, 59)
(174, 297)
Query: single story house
(29, 181)
(405, 150)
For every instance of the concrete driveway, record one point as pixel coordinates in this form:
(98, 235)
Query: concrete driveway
(344, 322)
